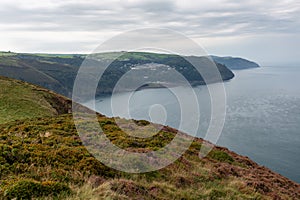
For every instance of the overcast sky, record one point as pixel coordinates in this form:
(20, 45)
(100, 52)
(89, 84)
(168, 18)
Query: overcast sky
(264, 31)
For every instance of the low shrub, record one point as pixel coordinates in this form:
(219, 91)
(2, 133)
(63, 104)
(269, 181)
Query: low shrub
(28, 189)
(220, 156)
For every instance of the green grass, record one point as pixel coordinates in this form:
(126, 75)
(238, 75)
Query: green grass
(45, 55)
(7, 53)
(142, 56)
(57, 55)
(220, 156)
(27, 189)
(19, 100)
(145, 55)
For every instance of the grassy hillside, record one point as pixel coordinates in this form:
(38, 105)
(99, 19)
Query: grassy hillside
(43, 158)
(20, 100)
(48, 153)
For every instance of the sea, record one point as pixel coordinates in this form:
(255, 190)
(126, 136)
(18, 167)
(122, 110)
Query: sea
(262, 118)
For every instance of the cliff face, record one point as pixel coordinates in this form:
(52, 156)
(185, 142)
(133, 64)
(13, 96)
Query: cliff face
(43, 157)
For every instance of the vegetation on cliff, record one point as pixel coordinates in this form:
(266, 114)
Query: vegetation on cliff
(42, 157)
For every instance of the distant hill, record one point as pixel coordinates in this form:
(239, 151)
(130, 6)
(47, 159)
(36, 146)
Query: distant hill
(235, 63)
(57, 72)
(42, 157)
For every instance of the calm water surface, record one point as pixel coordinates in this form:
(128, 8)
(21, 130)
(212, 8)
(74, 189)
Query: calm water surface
(262, 121)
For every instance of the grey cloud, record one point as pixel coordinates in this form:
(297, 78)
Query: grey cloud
(154, 6)
(244, 18)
